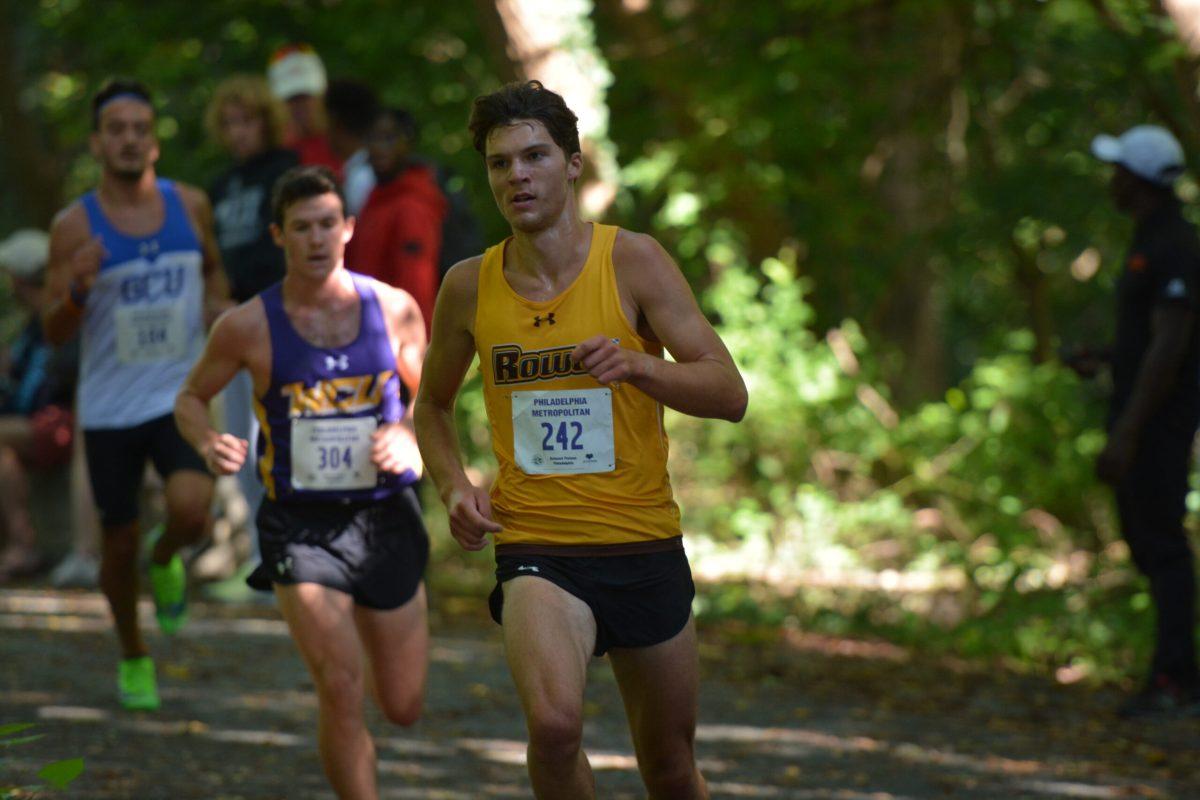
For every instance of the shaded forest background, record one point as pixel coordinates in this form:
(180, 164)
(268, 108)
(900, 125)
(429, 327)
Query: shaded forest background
(887, 207)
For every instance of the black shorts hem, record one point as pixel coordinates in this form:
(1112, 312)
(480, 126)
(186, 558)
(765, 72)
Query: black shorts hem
(637, 601)
(376, 553)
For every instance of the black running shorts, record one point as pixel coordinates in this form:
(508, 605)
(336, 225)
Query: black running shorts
(638, 600)
(374, 551)
(116, 459)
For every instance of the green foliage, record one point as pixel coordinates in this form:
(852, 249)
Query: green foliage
(973, 523)
(57, 775)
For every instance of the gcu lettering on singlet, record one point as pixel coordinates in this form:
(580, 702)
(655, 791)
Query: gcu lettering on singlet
(347, 395)
(512, 365)
(153, 285)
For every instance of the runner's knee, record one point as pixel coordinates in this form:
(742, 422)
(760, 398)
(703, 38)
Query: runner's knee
(403, 711)
(671, 777)
(339, 688)
(555, 734)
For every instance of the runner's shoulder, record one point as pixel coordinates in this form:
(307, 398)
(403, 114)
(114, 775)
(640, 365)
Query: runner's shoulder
(633, 249)
(463, 277)
(195, 198)
(70, 224)
(242, 326)
(395, 301)
(461, 285)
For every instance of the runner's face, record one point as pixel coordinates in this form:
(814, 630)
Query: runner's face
(531, 178)
(242, 130)
(124, 143)
(314, 235)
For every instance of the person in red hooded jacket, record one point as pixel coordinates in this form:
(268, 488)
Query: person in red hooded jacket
(398, 235)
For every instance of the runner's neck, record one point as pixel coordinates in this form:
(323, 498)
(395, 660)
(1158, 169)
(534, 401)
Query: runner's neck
(121, 194)
(552, 254)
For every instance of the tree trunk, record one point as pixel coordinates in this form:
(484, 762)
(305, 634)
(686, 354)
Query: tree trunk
(916, 186)
(534, 32)
(28, 162)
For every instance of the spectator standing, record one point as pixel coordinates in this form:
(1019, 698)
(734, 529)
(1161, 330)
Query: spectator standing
(1156, 402)
(398, 236)
(352, 107)
(297, 77)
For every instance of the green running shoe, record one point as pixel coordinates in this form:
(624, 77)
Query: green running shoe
(168, 584)
(137, 688)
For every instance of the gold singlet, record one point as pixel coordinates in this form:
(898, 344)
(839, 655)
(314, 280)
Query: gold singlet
(583, 467)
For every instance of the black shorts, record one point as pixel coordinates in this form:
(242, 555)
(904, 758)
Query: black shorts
(637, 600)
(116, 460)
(374, 551)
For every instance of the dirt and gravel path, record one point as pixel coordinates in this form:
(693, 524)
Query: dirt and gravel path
(786, 717)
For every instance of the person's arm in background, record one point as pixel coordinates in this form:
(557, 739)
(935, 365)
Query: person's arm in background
(1171, 329)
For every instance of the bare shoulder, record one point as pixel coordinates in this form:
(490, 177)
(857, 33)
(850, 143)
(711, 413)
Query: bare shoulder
(396, 302)
(196, 202)
(193, 196)
(241, 327)
(70, 227)
(637, 247)
(641, 262)
(460, 287)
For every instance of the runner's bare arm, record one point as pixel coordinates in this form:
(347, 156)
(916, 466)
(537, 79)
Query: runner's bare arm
(216, 283)
(396, 450)
(703, 381)
(72, 267)
(451, 348)
(231, 346)
(407, 329)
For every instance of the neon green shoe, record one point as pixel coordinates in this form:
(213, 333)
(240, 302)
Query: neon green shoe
(137, 688)
(168, 584)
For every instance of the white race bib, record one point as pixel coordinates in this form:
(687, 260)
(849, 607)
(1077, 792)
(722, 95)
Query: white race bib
(333, 453)
(148, 333)
(564, 432)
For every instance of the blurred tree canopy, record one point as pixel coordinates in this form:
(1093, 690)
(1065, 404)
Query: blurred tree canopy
(928, 161)
(888, 206)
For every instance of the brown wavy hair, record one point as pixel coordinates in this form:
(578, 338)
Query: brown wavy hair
(252, 93)
(528, 100)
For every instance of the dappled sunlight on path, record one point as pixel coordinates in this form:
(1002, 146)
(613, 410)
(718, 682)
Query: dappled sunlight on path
(238, 721)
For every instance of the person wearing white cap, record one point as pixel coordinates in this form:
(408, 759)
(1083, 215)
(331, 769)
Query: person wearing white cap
(297, 77)
(45, 438)
(1156, 402)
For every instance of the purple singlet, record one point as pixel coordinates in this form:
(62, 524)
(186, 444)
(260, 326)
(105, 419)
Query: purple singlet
(323, 403)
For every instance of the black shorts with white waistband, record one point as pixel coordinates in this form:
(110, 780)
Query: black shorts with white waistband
(637, 599)
(375, 551)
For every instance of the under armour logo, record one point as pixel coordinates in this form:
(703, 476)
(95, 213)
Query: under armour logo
(524, 568)
(537, 321)
(342, 362)
(148, 248)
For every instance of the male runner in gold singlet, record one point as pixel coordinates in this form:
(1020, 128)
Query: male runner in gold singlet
(570, 320)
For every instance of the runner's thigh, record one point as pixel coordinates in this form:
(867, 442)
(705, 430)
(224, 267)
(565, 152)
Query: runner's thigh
(549, 635)
(659, 685)
(397, 646)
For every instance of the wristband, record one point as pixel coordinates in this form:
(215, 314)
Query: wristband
(77, 296)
